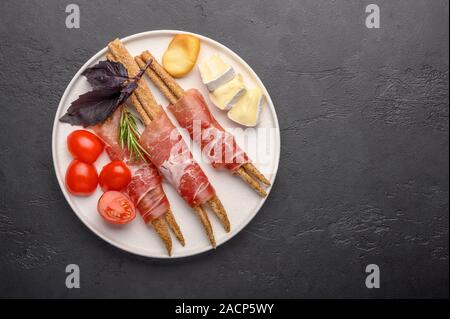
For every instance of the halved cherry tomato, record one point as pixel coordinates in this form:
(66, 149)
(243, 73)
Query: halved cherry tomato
(116, 208)
(84, 146)
(81, 178)
(114, 176)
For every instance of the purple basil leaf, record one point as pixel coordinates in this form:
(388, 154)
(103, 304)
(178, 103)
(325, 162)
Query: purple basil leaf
(129, 88)
(142, 71)
(106, 74)
(126, 91)
(112, 87)
(92, 107)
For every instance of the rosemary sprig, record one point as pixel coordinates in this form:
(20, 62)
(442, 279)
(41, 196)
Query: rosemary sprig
(129, 136)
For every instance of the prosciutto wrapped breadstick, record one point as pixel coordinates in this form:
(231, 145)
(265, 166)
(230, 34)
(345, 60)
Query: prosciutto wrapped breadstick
(145, 189)
(190, 107)
(147, 194)
(167, 150)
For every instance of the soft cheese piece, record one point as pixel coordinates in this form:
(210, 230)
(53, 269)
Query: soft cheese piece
(215, 72)
(247, 108)
(227, 94)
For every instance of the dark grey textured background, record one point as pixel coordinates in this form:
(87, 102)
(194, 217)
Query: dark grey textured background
(364, 169)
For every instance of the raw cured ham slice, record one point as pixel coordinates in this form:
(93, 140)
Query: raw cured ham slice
(146, 192)
(109, 134)
(170, 154)
(145, 189)
(238, 164)
(219, 146)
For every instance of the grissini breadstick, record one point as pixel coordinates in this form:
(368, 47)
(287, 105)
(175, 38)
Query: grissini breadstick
(219, 210)
(148, 103)
(173, 225)
(214, 203)
(161, 223)
(162, 230)
(250, 181)
(250, 168)
(173, 92)
(162, 73)
(206, 224)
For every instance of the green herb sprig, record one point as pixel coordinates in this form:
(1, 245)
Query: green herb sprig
(129, 136)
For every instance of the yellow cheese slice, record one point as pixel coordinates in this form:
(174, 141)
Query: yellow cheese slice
(181, 55)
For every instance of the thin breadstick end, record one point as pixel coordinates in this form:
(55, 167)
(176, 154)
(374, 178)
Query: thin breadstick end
(206, 224)
(219, 210)
(161, 228)
(173, 225)
(176, 89)
(250, 181)
(250, 168)
(157, 81)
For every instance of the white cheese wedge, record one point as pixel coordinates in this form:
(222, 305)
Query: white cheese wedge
(247, 108)
(225, 96)
(215, 72)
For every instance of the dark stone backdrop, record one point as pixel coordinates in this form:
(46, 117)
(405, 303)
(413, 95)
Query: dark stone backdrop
(364, 169)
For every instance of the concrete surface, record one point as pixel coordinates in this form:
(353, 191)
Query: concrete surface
(364, 169)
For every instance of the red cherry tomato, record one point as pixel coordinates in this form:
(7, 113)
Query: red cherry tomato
(84, 146)
(81, 178)
(114, 176)
(116, 208)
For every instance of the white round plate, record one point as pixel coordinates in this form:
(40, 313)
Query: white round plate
(241, 202)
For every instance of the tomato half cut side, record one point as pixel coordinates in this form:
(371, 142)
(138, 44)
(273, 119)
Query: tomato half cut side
(116, 208)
